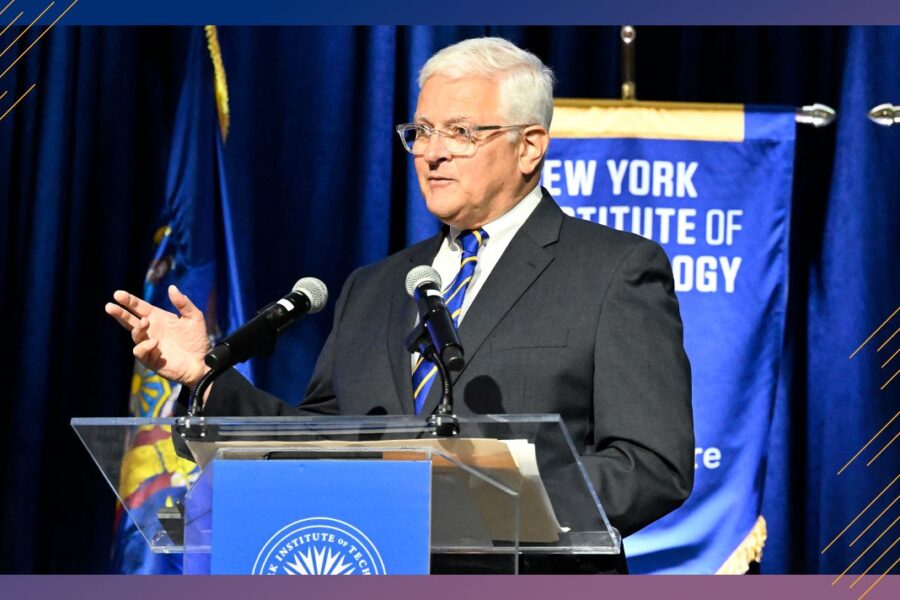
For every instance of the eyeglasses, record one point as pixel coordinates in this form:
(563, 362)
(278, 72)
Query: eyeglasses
(459, 141)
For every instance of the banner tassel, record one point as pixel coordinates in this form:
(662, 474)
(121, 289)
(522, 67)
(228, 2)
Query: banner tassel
(749, 550)
(220, 81)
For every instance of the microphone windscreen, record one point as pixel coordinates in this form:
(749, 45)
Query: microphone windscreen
(315, 290)
(420, 275)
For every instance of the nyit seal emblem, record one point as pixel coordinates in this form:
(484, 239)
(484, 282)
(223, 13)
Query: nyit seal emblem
(319, 546)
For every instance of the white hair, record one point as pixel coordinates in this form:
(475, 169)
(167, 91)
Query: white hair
(526, 84)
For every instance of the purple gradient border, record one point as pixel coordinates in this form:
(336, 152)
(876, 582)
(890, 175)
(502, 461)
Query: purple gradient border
(440, 587)
(472, 12)
(459, 12)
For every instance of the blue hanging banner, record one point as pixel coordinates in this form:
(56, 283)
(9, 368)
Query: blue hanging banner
(712, 185)
(321, 517)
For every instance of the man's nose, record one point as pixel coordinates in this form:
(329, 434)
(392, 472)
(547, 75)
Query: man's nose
(435, 149)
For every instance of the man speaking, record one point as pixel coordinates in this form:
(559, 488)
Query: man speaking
(556, 314)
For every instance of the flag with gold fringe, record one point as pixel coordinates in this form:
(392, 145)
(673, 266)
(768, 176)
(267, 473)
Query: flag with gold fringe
(712, 185)
(194, 252)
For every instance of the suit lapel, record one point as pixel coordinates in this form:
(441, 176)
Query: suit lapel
(403, 317)
(522, 263)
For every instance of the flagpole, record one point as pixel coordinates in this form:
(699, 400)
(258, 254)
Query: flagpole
(817, 115)
(627, 37)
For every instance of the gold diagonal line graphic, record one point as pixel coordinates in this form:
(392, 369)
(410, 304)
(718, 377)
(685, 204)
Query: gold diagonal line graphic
(869, 547)
(22, 97)
(37, 39)
(877, 581)
(890, 380)
(24, 31)
(883, 449)
(891, 358)
(876, 331)
(881, 514)
(884, 343)
(7, 6)
(11, 23)
(869, 442)
(869, 568)
(3, 95)
(860, 514)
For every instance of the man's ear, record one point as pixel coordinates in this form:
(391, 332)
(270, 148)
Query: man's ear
(532, 148)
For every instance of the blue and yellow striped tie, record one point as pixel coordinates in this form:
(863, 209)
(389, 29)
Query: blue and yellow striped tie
(424, 372)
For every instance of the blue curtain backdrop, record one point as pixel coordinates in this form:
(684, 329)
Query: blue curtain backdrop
(319, 185)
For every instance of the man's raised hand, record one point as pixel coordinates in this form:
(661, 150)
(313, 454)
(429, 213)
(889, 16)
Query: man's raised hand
(172, 345)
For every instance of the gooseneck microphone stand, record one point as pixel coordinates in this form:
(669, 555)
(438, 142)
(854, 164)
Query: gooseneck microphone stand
(192, 426)
(196, 406)
(442, 420)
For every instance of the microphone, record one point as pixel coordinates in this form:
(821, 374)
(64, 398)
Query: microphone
(308, 296)
(423, 284)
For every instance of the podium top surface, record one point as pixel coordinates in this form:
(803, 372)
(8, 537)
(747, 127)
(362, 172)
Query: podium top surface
(129, 450)
(399, 422)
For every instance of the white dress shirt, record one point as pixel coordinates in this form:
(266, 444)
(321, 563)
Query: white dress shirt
(500, 233)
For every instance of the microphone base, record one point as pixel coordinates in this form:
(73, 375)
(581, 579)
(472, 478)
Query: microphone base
(191, 427)
(445, 425)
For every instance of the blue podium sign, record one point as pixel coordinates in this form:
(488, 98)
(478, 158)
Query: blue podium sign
(320, 517)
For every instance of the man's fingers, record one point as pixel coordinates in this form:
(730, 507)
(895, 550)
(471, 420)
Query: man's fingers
(133, 303)
(139, 333)
(143, 350)
(154, 356)
(125, 318)
(182, 303)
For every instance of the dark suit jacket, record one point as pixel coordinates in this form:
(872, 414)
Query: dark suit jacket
(576, 319)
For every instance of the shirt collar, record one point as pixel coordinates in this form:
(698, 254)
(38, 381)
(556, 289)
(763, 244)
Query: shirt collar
(510, 221)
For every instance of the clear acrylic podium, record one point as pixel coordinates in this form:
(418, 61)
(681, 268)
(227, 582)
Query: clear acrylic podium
(507, 486)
